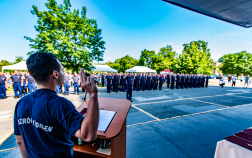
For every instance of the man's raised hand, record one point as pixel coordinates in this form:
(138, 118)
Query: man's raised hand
(88, 83)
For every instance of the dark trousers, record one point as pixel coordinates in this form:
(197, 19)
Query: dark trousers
(2, 91)
(102, 83)
(172, 85)
(137, 85)
(24, 88)
(116, 86)
(154, 85)
(17, 88)
(143, 86)
(108, 87)
(206, 83)
(168, 83)
(160, 85)
(202, 84)
(31, 87)
(233, 84)
(66, 87)
(76, 88)
(199, 84)
(123, 86)
(195, 84)
(129, 93)
(182, 85)
(177, 85)
(148, 86)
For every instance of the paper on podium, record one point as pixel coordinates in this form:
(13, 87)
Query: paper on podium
(105, 119)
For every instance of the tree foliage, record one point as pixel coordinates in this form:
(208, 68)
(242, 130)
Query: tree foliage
(160, 61)
(195, 58)
(237, 63)
(70, 35)
(18, 59)
(4, 63)
(123, 63)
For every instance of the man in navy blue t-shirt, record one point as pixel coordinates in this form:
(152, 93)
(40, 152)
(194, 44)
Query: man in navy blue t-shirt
(16, 79)
(45, 122)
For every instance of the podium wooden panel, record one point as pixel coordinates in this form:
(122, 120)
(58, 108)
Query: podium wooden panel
(116, 131)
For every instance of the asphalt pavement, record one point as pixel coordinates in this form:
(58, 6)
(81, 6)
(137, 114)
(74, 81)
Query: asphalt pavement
(180, 123)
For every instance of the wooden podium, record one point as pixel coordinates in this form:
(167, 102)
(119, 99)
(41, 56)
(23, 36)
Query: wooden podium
(116, 131)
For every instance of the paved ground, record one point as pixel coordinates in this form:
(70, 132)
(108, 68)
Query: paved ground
(184, 123)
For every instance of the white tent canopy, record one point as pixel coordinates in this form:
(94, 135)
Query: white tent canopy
(104, 68)
(19, 66)
(140, 69)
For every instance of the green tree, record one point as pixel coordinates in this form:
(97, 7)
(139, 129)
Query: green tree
(164, 59)
(146, 58)
(70, 35)
(195, 58)
(237, 63)
(18, 59)
(4, 63)
(123, 63)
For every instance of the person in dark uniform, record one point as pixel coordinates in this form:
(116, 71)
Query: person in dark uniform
(109, 78)
(31, 84)
(133, 78)
(186, 79)
(168, 80)
(3, 86)
(76, 81)
(102, 79)
(137, 80)
(23, 83)
(207, 77)
(177, 81)
(199, 81)
(154, 82)
(143, 79)
(196, 78)
(44, 122)
(172, 81)
(161, 80)
(113, 82)
(203, 81)
(129, 87)
(124, 86)
(116, 77)
(16, 79)
(148, 81)
(182, 82)
(66, 84)
(191, 81)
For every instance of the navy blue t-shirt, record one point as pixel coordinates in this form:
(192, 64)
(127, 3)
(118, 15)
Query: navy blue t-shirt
(108, 79)
(30, 79)
(129, 81)
(66, 79)
(46, 128)
(2, 79)
(75, 79)
(16, 78)
(116, 78)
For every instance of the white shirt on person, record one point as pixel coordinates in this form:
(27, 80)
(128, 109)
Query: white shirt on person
(234, 79)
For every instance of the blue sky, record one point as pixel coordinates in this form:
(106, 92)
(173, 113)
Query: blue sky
(128, 27)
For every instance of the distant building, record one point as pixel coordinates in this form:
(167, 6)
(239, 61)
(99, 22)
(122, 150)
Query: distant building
(216, 70)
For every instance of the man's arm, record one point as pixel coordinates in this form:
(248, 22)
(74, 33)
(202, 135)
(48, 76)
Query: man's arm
(21, 145)
(89, 126)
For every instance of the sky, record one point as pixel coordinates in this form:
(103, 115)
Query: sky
(128, 27)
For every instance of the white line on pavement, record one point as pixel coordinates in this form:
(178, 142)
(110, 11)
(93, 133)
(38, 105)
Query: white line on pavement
(145, 112)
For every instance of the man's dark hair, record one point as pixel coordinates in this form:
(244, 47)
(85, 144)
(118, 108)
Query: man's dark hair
(41, 65)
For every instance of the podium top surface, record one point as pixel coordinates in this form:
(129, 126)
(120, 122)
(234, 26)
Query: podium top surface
(121, 106)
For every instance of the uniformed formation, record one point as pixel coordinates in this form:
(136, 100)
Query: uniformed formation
(142, 81)
(20, 82)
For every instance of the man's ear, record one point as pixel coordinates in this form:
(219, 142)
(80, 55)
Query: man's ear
(55, 74)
